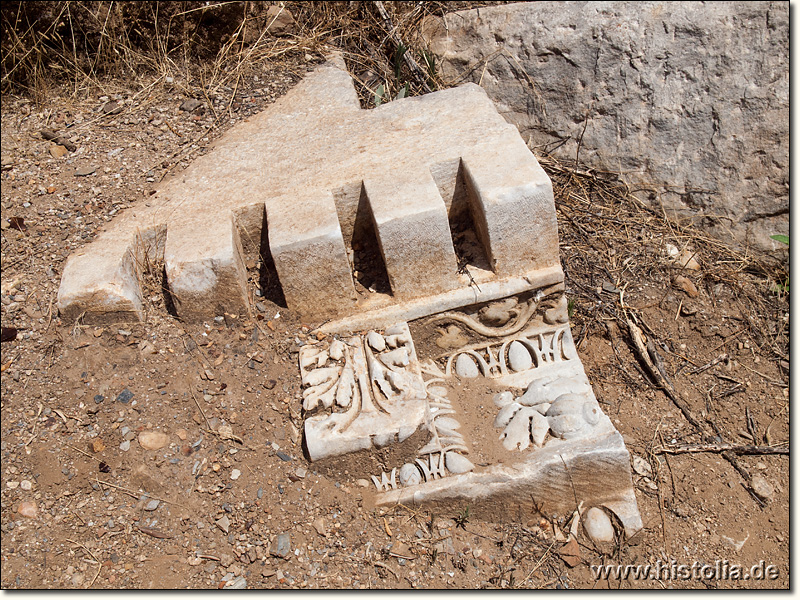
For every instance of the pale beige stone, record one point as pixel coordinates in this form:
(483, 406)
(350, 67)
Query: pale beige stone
(598, 526)
(413, 231)
(153, 440)
(28, 509)
(321, 173)
(100, 284)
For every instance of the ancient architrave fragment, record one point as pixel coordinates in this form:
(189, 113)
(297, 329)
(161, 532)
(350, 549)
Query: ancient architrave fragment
(404, 189)
(440, 213)
(558, 449)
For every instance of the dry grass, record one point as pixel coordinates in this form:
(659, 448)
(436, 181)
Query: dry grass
(88, 44)
(610, 235)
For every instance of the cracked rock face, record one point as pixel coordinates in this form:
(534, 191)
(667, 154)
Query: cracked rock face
(690, 98)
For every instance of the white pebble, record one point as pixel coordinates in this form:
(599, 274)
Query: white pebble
(598, 526)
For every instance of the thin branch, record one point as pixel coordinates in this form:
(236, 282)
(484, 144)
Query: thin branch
(738, 449)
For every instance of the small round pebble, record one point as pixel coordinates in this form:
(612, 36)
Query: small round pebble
(762, 488)
(598, 526)
(153, 440)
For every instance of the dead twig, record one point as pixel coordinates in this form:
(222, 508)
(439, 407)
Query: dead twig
(191, 391)
(90, 553)
(767, 436)
(658, 362)
(538, 564)
(383, 565)
(57, 139)
(641, 349)
(752, 426)
(738, 449)
(85, 453)
(658, 489)
(35, 423)
(705, 367)
(766, 378)
(156, 533)
(640, 346)
(137, 494)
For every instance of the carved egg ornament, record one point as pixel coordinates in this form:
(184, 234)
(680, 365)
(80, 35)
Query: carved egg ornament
(410, 475)
(457, 464)
(519, 359)
(466, 367)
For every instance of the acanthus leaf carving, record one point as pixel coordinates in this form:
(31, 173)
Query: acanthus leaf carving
(360, 393)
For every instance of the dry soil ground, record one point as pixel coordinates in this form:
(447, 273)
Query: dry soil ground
(84, 505)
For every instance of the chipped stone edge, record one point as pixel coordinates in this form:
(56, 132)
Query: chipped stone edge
(549, 471)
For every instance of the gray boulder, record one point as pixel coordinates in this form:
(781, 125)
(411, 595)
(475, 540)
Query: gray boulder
(688, 99)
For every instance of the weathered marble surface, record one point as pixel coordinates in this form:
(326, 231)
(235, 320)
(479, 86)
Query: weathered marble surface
(361, 393)
(558, 447)
(325, 178)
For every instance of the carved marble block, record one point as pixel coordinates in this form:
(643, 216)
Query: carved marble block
(553, 448)
(360, 393)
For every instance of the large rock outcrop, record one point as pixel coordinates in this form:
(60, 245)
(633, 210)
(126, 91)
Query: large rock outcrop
(689, 99)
